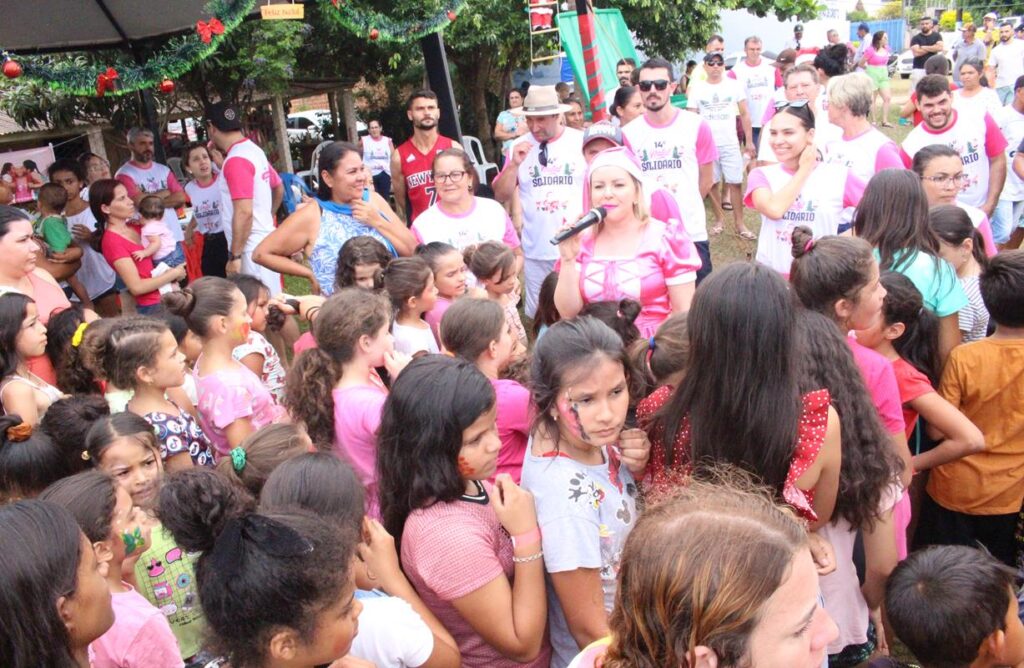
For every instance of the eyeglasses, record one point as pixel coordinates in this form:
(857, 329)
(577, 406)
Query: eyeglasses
(452, 177)
(715, 63)
(792, 104)
(543, 157)
(946, 179)
(660, 84)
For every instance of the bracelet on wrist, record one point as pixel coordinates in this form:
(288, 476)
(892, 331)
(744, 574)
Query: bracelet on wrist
(310, 312)
(526, 560)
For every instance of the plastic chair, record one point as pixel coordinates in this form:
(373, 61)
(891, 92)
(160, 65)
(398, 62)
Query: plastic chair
(311, 175)
(175, 166)
(294, 189)
(475, 149)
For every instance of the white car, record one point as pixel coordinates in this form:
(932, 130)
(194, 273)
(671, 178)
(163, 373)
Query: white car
(306, 125)
(905, 64)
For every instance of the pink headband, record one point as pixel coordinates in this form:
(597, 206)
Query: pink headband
(621, 157)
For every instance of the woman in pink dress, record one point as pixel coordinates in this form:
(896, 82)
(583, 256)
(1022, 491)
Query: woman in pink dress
(629, 254)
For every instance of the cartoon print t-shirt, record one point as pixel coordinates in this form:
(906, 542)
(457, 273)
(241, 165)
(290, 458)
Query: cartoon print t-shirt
(165, 576)
(585, 514)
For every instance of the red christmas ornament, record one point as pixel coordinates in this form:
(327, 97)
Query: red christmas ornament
(167, 86)
(374, 34)
(451, 15)
(12, 69)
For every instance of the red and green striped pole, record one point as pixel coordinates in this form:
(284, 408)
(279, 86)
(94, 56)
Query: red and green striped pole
(589, 43)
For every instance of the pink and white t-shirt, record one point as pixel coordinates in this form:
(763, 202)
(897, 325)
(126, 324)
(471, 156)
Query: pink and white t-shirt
(246, 174)
(357, 411)
(828, 190)
(206, 205)
(976, 138)
(718, 104)
(866, 154)
(551, 193)
(156, 177)
(272, 374)
(140, 636)
(485, 221)
(672, 155)
(232, 394)
(758, 82)
(661, 260)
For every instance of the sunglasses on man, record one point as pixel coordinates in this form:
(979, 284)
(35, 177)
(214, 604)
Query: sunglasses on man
(660, 84)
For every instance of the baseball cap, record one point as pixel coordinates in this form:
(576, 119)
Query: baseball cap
(991, 15)
(603, 130)
(799, 27)
(224, 116)
(714, 55)
(785, 57)
(865, 27)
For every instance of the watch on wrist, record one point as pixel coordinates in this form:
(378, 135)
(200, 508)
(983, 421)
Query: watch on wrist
(234, 257)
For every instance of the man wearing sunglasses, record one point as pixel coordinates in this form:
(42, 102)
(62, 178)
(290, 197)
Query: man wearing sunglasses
(719, 101)
(676, 149)
(972, 134)
(546, 169)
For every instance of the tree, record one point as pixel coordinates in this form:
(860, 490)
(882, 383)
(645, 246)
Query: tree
(890, 10)
(947, 20)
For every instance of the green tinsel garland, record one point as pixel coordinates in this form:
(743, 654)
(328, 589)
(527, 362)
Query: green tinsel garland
(362, 22)
(177, 57)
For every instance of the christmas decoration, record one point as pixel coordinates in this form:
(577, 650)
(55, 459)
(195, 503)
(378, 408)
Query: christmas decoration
(81, 76)
(360, 19)
(207, 29)
(167, 86)
(12, 70)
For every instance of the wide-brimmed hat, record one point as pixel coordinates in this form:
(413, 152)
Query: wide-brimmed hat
(541, 101)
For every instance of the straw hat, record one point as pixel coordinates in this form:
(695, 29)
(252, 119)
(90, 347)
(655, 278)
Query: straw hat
(541, 101)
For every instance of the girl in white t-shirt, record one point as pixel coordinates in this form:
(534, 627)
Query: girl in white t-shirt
(204, 193)
(798, 190)
(410, 285)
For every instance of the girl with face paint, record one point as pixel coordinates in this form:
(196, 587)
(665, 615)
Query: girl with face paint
(141, 635)
(233, 401)
(579, 465)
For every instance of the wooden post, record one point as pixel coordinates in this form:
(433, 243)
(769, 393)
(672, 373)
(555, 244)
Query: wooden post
(96, 144)
(348, 109)
(332, 103)
(281, 135)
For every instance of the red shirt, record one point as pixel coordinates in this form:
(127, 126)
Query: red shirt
(912, 385)
(417, 170)
(115, 247)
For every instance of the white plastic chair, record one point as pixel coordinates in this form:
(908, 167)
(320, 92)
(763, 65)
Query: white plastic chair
(311, 175)
(175, 166)
(475, 149)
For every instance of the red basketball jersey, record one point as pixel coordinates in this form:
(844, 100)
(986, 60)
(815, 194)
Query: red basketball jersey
(417, 170)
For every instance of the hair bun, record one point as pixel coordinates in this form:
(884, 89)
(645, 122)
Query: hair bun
(180, 302)
(629, 309)
(801, 240)
(196, 504)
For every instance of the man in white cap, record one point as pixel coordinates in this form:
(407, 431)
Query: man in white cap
(989, 32)
(546, 168)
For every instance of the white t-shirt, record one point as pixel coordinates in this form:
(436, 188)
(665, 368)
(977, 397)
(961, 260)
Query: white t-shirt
(828, 190)
(377, 154)
(718, 104)
(391, 634)
(985, 100)
(1008, 60)
(1011, 124)
(153, 179)
(672, 155)
(974, 137)
(486, 221)
(412, 340)
(551, 194)
(96, 274)
(246, 175)
(206, 203)
(758, 81)
(865, 155)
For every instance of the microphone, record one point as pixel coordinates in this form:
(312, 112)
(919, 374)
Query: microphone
(593, 217)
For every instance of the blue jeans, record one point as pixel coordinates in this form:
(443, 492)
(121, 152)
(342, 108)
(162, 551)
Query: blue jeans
(704, 251)
(1005, 219)
(1005, 94)
(175, 258)
(382, 184)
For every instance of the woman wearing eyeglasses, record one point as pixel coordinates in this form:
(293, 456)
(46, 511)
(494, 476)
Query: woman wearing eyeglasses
(797, 190)
(629, 254)
(458, 217)
(941, 171)
(344, 207)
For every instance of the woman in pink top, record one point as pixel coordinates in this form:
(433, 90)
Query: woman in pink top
(477, 330)
(18, 273)
(333, 388)
(629, 254)
(875, 62)
(233, 402)
(118, 239)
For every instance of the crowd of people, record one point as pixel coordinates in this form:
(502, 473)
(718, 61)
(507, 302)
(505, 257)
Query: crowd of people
(649, 462)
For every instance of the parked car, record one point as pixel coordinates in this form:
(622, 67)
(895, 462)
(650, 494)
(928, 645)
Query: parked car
(309, 125)
(905, 64)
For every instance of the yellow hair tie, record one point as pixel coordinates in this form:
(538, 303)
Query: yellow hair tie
(76, 340)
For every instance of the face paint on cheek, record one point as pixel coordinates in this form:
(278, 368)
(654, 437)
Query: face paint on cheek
(570, 412)
(243, 331)
(133, 540)
(465, 469)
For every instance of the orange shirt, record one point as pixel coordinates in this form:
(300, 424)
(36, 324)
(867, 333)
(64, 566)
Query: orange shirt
(985, 380)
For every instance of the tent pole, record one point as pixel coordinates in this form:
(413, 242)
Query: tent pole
(436, 64)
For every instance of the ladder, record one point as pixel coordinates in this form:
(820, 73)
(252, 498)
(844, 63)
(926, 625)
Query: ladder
(545, 41)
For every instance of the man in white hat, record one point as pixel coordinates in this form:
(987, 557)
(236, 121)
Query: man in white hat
(546, 168)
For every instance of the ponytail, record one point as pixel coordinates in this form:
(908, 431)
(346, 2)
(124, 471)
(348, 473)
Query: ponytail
(661, 356)
(308, 395)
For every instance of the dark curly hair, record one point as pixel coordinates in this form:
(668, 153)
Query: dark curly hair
(869, 464)
(620, 316)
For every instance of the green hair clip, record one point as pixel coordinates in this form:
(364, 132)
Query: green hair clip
(237, 459)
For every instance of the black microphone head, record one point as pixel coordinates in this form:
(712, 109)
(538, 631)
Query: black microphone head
(601, 213)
